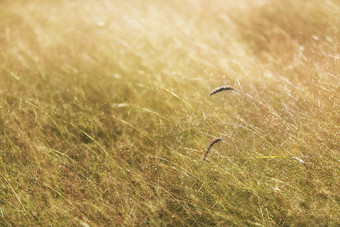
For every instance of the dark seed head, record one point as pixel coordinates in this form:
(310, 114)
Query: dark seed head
(225, 88)
(210, 146)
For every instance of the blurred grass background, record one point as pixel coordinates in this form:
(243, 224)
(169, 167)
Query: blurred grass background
(105, 112)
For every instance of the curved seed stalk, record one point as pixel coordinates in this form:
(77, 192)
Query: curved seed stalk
(227, 88)
(210, 146)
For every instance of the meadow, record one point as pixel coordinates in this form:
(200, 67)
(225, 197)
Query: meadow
(105, 113)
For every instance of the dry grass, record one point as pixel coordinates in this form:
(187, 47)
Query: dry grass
(105, 112)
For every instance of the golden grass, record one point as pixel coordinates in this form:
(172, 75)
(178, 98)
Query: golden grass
(105, 112)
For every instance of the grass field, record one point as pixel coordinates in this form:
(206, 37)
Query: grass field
(105, 113)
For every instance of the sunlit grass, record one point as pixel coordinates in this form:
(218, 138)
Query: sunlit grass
(105, 113)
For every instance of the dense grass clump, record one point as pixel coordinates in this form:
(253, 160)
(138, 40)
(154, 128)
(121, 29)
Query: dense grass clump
(105, 113)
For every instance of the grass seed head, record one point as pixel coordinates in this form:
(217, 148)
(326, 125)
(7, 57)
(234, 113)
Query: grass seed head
(210, 146)
(225, 88)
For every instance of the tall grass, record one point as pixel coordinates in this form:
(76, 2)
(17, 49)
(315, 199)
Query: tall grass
(104, 112)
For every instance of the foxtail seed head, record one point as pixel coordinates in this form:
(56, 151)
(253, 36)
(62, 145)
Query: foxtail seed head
(210, 146)
(225, 88)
